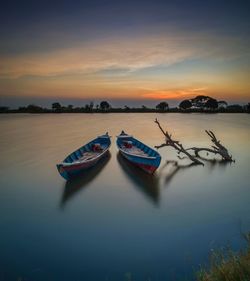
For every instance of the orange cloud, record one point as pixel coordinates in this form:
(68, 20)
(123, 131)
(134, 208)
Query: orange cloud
(146, 67)
(174, 94)
(128, 54)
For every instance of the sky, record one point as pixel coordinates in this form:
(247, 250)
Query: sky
(127, 52)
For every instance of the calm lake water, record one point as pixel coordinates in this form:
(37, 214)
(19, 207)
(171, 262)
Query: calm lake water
(117, 223)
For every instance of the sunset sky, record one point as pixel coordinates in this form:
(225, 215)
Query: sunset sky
(123, 51)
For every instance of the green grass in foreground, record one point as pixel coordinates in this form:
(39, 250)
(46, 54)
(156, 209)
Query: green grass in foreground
(228, 266)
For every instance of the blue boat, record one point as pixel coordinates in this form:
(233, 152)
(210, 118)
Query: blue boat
(138, 153)
(85, 157)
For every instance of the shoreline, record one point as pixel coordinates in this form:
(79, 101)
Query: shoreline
(118, 112)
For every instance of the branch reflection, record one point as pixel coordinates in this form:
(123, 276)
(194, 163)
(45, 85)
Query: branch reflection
(171, 168)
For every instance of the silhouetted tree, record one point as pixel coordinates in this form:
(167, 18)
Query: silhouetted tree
(70, 107)
(235, 108)
(56, 106)
(199, 101)
(87, 107)
(185, 104)
(248, 107)
(222, 104)
(91, 105)
(204, 102)
(104, 105)
(22, 109)
(211, 103)
(31, 108)
(4, 109)
(162, 106)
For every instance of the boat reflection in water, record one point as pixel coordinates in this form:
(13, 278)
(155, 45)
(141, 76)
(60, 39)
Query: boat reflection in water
(148, 184)
(80, 182)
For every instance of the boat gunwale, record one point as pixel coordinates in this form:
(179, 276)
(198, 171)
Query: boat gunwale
(79, 162)
(139, 156)
(135, 155)
(65, 164)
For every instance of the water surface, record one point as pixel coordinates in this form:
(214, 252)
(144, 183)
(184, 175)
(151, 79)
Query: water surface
(116, 223)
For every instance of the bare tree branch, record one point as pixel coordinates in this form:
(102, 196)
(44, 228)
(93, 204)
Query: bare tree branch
(176, 145)
(217, 148)
(160, 146)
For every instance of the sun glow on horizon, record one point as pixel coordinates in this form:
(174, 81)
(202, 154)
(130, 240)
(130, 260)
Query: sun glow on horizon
(171, 65)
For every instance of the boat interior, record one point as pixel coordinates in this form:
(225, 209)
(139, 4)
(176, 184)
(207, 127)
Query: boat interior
(86, 153)
(137, 148)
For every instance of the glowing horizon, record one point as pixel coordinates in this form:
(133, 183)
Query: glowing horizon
(150, 59)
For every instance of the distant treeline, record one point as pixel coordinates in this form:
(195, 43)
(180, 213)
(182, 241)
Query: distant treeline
(198, 104)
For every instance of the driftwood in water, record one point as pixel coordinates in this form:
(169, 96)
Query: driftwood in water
(217, 148)
(176, 145)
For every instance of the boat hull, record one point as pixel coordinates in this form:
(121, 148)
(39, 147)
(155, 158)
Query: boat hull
(73, 170)
(147, 159)
(73, 164)
(148, 166)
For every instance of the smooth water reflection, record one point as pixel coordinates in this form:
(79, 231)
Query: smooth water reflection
(116, 223)
(147, 184)
(82, 181)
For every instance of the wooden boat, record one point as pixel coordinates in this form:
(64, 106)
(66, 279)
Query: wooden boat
(138, 153)
(85, 157)
(76, 184)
